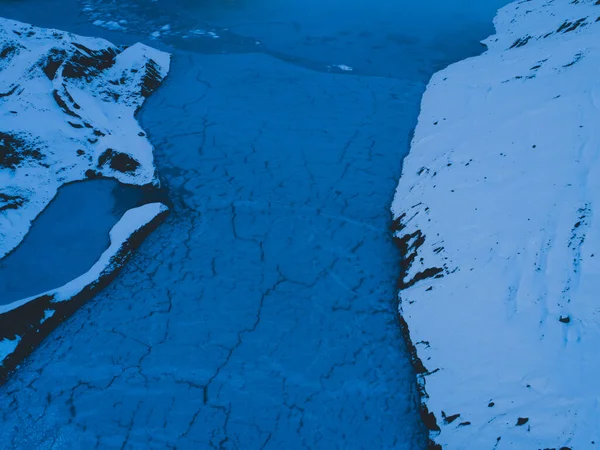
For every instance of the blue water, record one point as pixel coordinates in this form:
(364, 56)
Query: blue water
(262, 313)
(66, 239)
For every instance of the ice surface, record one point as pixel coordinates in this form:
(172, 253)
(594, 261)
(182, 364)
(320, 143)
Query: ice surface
(67, 113)
(265, 304)
(496, 211)
(67, 238)
(262, 314)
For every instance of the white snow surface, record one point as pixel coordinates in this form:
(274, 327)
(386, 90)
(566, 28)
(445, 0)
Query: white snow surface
(132, 220)
(64, 101)
(503, 184)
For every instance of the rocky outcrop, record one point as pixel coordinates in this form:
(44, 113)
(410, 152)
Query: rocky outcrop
(495, 216)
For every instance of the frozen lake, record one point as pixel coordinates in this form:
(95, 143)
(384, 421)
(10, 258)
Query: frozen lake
(262, 313)
(67, 239)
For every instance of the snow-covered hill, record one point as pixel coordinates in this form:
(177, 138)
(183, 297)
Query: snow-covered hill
(496, 213)
(67, 106)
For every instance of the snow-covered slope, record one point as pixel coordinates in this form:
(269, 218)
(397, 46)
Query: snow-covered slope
(67, 106)
(496, 213)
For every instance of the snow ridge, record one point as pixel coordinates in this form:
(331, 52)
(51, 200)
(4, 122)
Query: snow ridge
(67, 109)
(496, 214)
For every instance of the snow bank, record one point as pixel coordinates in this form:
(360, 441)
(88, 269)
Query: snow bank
(495, 211)
(67, 112)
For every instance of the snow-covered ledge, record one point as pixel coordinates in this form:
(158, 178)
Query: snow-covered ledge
(495, 211)
(67, 113)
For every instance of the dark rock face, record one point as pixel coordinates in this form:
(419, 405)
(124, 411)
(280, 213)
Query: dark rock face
(118, 161)
(51, 64)
(152, 79)
(8, 52)
(14, 149)
(10, 201)
(87, 63)
(409, 244)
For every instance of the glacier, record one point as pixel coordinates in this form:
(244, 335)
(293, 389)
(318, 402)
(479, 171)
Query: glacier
(495, 212)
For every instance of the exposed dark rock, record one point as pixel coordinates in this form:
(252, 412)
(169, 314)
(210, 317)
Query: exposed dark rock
(429, 419)
(53, 62)
(9, 51)
(10, 201)
(10, 92)
(522, 421)
(408, 253)
(92, 174)
(118, 161)
(567, 26)
(450, 419)
(15, 149)
(409, 245)
(521, 42)
(151, 79)
(63, 104)
(397, 224)
(432, 272)
(87, 63)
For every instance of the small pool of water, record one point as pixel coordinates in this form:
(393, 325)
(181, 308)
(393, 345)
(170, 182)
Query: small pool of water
(66, 239)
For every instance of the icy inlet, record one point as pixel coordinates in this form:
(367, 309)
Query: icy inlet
(67, 106)
(495, 211)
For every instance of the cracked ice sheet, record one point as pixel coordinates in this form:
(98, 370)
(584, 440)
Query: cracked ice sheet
(262, 312)
(502, 183)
